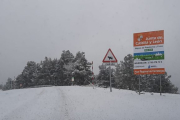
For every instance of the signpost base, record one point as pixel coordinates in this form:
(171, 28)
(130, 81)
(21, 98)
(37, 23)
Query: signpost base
(160, 85)
(139, 84)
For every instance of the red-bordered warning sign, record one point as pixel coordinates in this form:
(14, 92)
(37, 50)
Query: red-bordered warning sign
(109, 57)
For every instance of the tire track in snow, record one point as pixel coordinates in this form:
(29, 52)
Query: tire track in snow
(65, 105)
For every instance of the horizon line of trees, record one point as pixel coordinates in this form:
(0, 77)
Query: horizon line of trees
(60, 72)
(53, 72)
(123, 78)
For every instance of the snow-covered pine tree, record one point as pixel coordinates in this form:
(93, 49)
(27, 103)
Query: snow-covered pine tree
(82, 72)
(29, 74)
(103, 76)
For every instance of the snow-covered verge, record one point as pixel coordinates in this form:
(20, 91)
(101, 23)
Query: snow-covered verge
(86, 103)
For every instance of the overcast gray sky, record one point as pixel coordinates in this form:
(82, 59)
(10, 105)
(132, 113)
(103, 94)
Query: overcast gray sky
(33, 29)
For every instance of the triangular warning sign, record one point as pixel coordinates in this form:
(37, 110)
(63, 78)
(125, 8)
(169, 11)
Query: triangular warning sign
(109, 57)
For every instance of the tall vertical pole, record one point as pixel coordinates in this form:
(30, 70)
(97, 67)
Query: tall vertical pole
(160, 85)
(139, 84)
(110, 75)
(92, 75)
(11, 84)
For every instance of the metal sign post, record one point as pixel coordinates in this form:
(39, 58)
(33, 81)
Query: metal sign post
(72, 80)
(109, 58)
(110, 75)
(139, 84)
(92, 76)
(160, 85)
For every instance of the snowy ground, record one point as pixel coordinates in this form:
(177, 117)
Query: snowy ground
(85, 103)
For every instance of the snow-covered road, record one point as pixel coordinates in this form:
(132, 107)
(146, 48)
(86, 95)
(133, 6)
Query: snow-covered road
(85, 103)
(32, 104)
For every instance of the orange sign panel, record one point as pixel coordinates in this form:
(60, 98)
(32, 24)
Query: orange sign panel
(149, 38)
(149, 53)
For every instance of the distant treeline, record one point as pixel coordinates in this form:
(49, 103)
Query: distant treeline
(60, 72)
(123, 78)
(54, 72)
